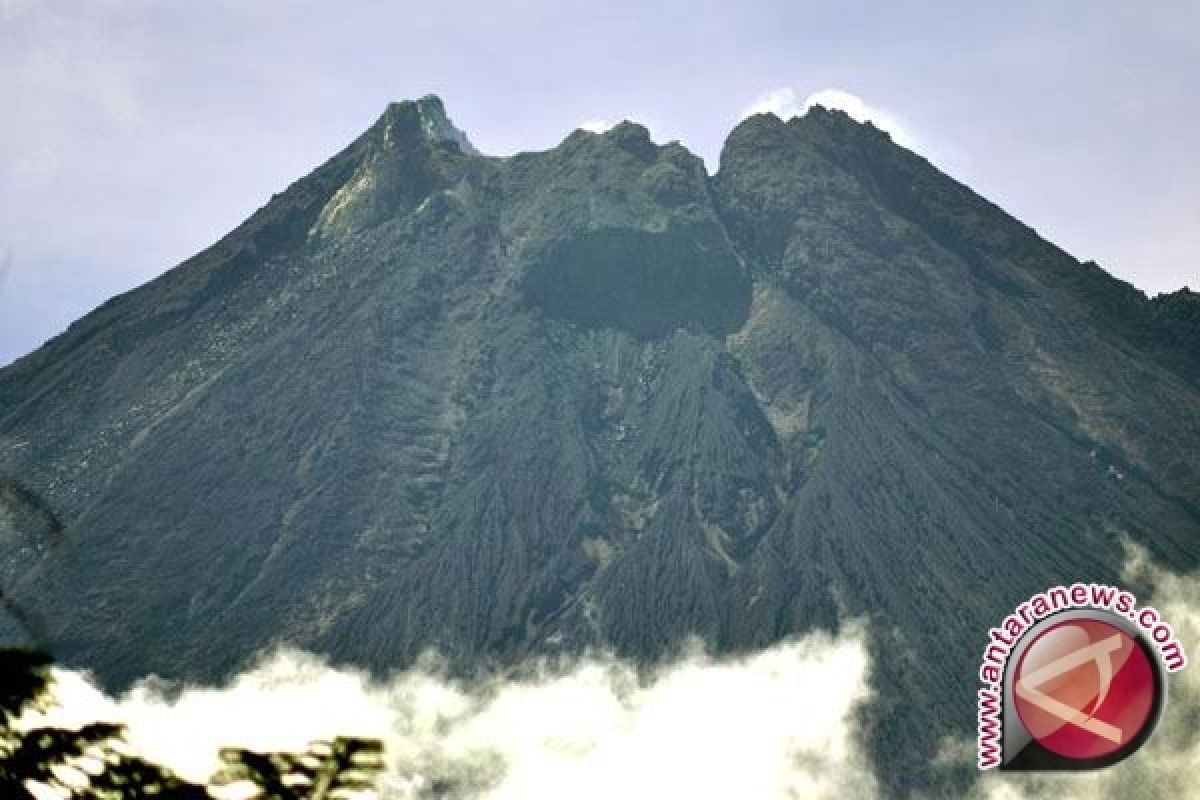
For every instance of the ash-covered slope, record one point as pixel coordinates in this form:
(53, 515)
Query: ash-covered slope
(427, 398)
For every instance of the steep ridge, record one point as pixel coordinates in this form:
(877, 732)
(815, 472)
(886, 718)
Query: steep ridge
(1009, 441)
(594, 396)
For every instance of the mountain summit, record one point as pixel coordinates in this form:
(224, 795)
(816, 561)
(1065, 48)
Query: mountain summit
(594, 396)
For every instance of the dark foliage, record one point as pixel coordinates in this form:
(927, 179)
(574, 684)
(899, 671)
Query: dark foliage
(24, 679)
(327, 768)
(39, 754)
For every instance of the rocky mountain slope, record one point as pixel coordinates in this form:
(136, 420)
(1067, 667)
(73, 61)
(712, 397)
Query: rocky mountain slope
(593, 395)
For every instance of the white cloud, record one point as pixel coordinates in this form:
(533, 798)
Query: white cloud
(780, 102)
(596, 125)
(777, 724)
(783, 102)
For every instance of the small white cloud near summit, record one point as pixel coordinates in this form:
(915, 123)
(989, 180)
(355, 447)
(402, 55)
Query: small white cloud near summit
(595, 125)
(783, 103)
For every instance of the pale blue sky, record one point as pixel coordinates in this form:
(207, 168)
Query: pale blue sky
(135, 133)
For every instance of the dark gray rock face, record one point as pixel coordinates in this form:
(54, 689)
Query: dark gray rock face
(427, 398)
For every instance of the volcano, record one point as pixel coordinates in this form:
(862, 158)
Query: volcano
(597, 397)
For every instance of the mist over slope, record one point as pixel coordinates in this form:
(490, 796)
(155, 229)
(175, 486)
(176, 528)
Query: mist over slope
(696, 728)
(593, 396)
(786, 722)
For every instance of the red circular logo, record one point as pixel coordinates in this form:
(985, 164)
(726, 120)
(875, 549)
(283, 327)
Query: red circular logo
(1084, 688)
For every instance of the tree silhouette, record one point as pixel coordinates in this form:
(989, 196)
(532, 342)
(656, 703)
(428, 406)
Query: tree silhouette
(94, 763)
(26, 681)
(132, 778)
(87, 763)
(327, 770)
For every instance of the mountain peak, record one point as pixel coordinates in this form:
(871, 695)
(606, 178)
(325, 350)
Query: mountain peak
(427, 116)
(412, 151)
(756, 131)
(818, 124)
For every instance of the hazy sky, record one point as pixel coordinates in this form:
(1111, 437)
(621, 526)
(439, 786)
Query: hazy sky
(134, 133)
